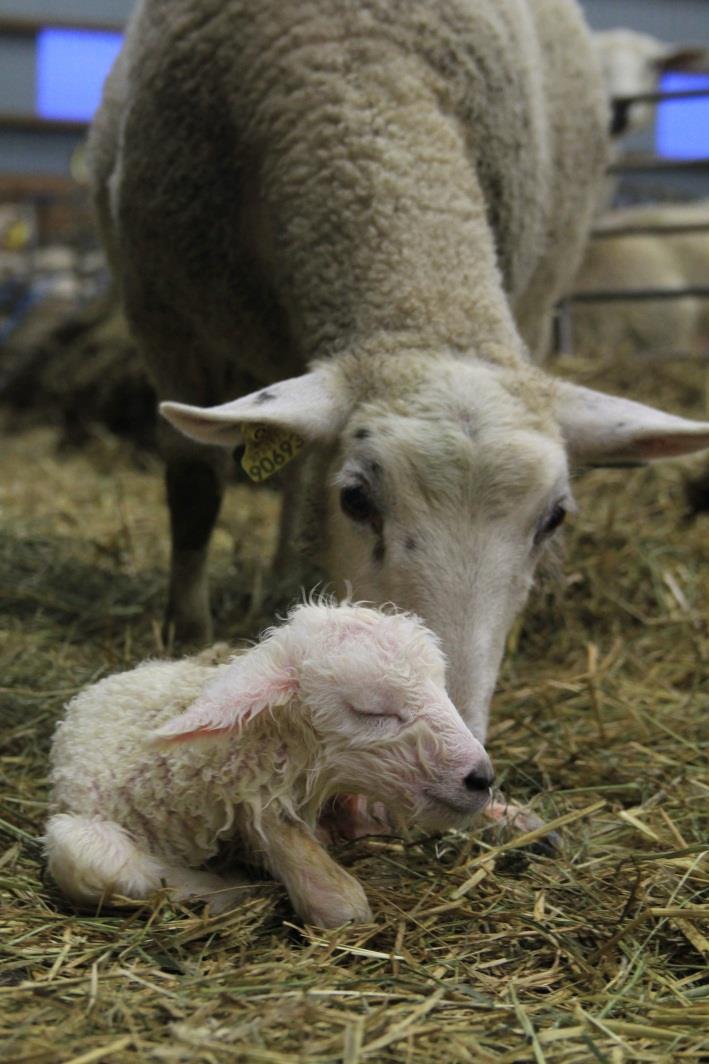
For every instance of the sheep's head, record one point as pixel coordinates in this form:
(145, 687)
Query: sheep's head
(369, 689)
(633, 63)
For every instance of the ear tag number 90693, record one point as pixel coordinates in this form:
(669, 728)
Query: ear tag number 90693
(267, 448)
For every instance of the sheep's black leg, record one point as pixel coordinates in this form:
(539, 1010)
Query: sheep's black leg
(195, 477)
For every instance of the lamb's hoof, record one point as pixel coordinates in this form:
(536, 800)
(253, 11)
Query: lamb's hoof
(226, 900)
(507, 821)
(350, 816)
(326, 895)
(350, 907)
(549, 846)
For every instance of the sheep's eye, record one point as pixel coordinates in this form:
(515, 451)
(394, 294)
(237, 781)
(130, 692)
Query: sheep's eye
(551, 522)
(357, 503)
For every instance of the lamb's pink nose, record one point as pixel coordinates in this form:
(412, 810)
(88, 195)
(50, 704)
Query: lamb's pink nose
(481, 778)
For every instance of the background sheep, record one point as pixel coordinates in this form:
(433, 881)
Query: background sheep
(633, 63)
(338, 699)
(652, 261)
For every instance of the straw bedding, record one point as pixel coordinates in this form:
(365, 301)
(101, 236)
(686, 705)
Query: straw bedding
(480, 951)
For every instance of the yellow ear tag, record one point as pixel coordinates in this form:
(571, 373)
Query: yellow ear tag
(267, 449)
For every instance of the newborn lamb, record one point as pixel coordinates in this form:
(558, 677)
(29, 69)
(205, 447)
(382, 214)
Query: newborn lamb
(159, 769)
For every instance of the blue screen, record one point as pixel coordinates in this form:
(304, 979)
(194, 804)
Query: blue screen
(71, 68)
(682, 128)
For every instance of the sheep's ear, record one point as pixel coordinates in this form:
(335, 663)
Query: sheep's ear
(262, 678)
(682, 57)
(308, 405)
(606, 430)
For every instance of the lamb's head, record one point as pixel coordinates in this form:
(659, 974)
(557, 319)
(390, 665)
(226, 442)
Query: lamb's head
(373, 683)
(364, 709)
(437, 482)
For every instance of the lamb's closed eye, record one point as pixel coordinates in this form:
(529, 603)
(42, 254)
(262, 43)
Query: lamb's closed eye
(378, 713)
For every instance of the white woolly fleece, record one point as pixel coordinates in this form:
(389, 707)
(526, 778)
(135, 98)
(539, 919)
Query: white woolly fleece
(154, 770)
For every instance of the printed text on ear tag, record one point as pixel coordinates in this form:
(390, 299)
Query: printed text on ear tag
(267, 448)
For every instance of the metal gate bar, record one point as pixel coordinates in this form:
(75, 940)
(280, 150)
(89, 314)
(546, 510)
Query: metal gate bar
(660, 97)
(651, 164)
(606, 233)
(638, 294)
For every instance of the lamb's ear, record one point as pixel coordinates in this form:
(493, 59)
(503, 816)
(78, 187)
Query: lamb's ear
(260, 679)
(308, 405)
(605, 430)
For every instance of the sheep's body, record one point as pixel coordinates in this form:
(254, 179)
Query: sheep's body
(652, 261)
(329, 173)
(130, 814)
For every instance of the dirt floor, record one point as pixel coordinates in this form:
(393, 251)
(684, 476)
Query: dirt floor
(479, 951)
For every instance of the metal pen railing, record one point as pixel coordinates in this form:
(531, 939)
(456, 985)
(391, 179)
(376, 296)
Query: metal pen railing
(640, 164)
(622, 105)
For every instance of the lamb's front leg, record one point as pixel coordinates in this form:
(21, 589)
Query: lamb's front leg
(322, 893)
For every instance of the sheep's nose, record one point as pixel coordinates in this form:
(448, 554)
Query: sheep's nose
(480, 779)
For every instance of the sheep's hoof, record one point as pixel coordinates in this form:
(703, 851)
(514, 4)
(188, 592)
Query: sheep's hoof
(507, 821)
(696, 491)
(185, 633)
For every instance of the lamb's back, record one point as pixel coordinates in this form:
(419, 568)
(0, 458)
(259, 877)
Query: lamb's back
(104, 741)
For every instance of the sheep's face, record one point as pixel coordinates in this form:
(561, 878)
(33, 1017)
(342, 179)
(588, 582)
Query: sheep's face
(445, 507)
(374, 685)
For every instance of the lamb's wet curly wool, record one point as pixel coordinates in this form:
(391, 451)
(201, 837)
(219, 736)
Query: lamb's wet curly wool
(158, 770)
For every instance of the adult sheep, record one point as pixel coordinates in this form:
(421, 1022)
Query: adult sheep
(393, 195)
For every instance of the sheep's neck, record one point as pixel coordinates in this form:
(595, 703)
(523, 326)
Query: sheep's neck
(381, 234)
